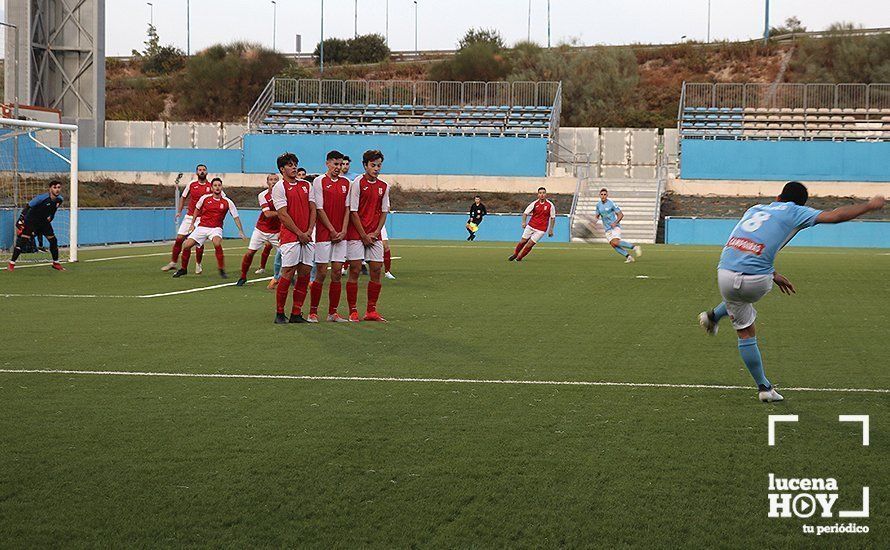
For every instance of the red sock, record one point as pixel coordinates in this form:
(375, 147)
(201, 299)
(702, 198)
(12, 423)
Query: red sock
(373, 295)
(186, 254)
(387, 260)
(199, 254)
(220, 258)
(525, 252)
(315, 295)
(281, 294)
(352, 296)
(177, 248)
(300, 288)
(334, 297)
(245, 263)
(264, 257)
(518, 248)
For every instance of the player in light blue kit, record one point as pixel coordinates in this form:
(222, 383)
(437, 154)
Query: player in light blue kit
(611, 215)
(746, 273)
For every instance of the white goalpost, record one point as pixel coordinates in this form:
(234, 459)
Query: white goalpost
(31, 155)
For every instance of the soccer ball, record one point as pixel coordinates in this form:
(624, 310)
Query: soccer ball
(473, 227)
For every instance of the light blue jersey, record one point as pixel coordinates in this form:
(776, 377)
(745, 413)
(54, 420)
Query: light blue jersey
(608, 212)
(761, 233)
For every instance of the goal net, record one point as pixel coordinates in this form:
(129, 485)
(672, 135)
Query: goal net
(32, 154)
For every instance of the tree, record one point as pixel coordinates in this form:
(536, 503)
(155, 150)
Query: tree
(368, 48)
(482, 36)
(335, 51)
(157, 59)
(792, 25)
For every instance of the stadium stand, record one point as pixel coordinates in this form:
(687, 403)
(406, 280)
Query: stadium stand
(490, 109)
(756, 111)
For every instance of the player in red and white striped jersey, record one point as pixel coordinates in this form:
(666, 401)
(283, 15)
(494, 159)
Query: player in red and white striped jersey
(368, 205)
(210, 213)
(265, 233)
(190, 196)
(331, 195)
(543, 218)
(296, 212)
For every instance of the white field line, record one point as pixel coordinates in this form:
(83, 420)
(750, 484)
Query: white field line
(200, 289)
(422, 380)
(160, 295)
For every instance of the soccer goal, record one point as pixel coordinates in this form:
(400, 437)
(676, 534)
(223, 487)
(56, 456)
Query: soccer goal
(31, 155)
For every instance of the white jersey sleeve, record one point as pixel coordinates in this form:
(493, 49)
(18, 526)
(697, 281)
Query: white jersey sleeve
(185, 191)
(279, 196)
(316, 192)
(200, 202)
(552, 210)
(261, 198)
(384, 205)
(530, 208)
(233, 210)
(354, 191)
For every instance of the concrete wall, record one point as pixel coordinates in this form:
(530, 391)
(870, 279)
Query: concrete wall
(160, 134)
(710, 231)
(854, 161)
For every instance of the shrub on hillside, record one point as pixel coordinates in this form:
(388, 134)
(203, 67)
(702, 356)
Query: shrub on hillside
(842, 58)
(480, 56)
(598, 84)
(223, 81)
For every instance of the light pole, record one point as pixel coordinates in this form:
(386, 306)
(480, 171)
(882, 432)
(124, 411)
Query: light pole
(548, 23)
(321, 44)
(298, 43)
(188, 29)
(766, 25)
(151, 16)
(15, 63)
(415, 28)
(387, 23)
(355, 17)
(709, 21)
(274, 24)
(528, 37)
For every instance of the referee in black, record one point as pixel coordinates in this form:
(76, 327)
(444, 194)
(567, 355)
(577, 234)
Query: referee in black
(477, 212)
(36, 219)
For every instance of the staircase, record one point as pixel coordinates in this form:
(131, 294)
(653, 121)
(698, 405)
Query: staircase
(639, 199)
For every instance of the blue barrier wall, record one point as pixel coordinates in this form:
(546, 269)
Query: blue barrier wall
(786, 160)
(479, 156)
(855, 234)
(99, 226)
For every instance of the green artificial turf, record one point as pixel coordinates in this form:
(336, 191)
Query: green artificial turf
(88, 460)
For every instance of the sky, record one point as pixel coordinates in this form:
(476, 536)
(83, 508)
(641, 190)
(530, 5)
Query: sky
(441, 23)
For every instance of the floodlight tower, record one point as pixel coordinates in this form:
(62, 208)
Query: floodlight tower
(61, 61)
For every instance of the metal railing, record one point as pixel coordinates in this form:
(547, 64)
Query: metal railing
(406, 92)
(785, 96)
(261, 106)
